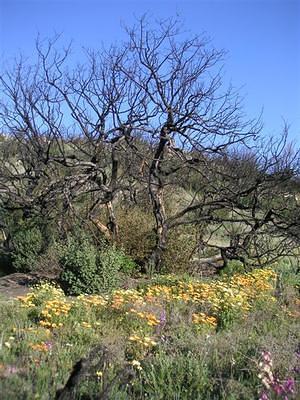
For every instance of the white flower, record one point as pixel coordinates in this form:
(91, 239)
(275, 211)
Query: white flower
(136, 364)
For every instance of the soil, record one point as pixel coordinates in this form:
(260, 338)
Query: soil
(14, 285)
(17, 284)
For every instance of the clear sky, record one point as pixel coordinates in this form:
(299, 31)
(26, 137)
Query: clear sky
(262, 38)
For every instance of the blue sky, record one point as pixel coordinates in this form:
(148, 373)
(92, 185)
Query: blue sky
(262, 38)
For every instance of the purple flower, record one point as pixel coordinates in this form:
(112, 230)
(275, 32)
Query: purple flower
(296, 370)
(266, 355)
(162, 321)
(49, 345)
(278, 389)
(11, 369)
(263, 396)
(163, 318)
(289, 385)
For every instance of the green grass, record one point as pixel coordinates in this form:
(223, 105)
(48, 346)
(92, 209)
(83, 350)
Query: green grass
(185, 361)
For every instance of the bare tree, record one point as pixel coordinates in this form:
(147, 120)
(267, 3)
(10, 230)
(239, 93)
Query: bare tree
(68, 134)
(187, 115)
(260, 189)
(150, 115)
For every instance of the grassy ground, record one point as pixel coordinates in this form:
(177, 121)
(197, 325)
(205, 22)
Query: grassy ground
(175, 338)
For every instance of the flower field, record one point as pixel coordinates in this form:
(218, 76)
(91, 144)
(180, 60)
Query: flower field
(172, 338)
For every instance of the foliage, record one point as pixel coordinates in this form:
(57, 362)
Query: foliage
(289, 271)
(80, 272)
(85, 269)
(111, 262)
(25, 239)
(27, 247)
(233, 267)
(173, 376)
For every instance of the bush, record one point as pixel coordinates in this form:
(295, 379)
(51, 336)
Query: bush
(136, 234)
(78, 259)
(27, 246)
(24, 239)
(233, 267)
(289, 271)
(111, 263)
(88, 270)
(180, 248)
(137, 238)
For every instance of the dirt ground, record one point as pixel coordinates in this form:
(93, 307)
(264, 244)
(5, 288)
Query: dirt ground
(17, 284)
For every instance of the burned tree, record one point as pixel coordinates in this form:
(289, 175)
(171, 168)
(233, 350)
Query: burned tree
(151, 115)
(259, 191)
(189, 117)
(65, 136)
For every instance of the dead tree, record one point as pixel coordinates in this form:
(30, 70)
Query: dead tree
(78, 134)
(65, 135)
(187, 116)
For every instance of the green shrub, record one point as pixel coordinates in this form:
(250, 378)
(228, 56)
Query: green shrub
(110, 262)
(78, 259)
(137, 238)
(289, 271)
(28, 244)
(88, 270)
(233, 267)
(116, 258)
(25, 239)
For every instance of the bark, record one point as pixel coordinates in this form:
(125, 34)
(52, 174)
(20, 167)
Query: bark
(112, 221)
(155, 259)
(102, 228)
(156, 195)
(111, 230)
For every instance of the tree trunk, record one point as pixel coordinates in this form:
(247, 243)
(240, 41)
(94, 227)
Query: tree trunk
(156, 195)
(112, 221)
(155, 259)
(102, 228)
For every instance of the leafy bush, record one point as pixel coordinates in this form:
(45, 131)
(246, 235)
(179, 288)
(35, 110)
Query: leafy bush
(28, 244)
(111, 262)
(88, 270)
(233, 267)
(24, 239)
(289, 270)
(78, 259)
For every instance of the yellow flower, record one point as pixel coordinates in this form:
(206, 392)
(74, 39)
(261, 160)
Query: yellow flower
(86, 325)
